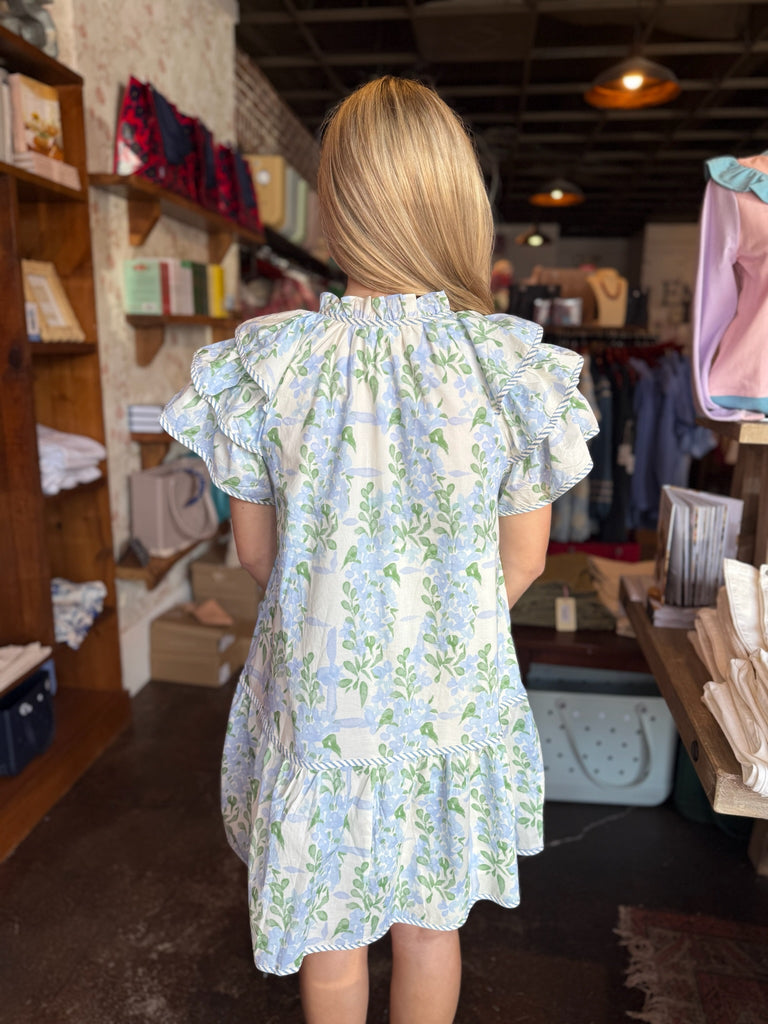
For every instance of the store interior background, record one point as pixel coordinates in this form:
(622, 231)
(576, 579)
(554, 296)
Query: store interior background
(124, 896)
(190, 54)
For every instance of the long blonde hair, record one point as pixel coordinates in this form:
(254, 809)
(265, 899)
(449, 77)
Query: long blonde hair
(402, 202)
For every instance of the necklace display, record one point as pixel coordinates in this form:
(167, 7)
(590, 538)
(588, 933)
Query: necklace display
(610, 291)
(602, 283)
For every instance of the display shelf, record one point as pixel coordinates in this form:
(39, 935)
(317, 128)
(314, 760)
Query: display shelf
(749, 482)
(153, 448)
(52, 349)
(68, 534)
(148, 202)
(681, 677)
(91, 485)
(743, 431)
(585, 648)
(283, 247)
(86, 722)
(150, 331)
(34, 188)
(129, 567)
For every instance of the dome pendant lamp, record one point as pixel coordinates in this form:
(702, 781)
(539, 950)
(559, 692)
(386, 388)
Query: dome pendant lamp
(632, 84)
(533, 237)
(557, 193)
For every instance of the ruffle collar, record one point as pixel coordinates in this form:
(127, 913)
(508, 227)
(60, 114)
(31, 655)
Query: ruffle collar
(738, 175)
(384, 307)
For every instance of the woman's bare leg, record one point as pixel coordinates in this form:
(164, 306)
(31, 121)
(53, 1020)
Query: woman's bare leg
(426, 975)
(334, 986)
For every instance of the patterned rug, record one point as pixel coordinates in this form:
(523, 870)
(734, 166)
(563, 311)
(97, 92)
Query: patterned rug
(695, 969)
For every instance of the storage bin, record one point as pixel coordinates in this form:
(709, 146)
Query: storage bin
(26, 722)
(606, 737)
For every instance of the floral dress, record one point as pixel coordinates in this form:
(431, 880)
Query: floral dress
(381, 763)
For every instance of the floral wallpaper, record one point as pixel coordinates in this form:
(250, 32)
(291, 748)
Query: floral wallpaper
(187, 51)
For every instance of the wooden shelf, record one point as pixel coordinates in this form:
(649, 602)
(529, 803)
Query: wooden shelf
(147, 203)
(587, 648)
(51, 349)
(681, 678)
(154, 448)
(743, 431)
(128, 568)
(33, 187)
(86, 723)
(150, 331)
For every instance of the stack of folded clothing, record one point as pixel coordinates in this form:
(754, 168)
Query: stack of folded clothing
(75, 607)
(732, 641)
(67, 460)
(606, 575)
(17, 659)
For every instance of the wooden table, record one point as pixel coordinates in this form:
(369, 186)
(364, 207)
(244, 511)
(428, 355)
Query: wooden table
(681, 677)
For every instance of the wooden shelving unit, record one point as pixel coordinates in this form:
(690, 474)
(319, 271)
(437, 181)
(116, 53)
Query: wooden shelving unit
(150, 331)
(67, 534)
(679, 672)
(153, 448)
(50, 349)
(147, 203)
(681, 678)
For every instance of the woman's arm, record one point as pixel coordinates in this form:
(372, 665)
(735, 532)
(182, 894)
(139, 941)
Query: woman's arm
(255, 531)
(523, 540)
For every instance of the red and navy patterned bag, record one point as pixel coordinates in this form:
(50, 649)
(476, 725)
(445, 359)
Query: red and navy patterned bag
(155, 141)
(226, 181)
(248, 206)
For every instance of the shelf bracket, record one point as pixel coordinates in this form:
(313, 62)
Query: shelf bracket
(149, 341)
(143, 214)
(218, 244)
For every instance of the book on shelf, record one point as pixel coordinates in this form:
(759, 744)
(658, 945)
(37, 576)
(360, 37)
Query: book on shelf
(169, 287)
(47, 167)
(145, 288)
(180, 290)
(696, 531)
(144, 419)
(36, 117)
(6, 119)
(200, 288)
(216, 305)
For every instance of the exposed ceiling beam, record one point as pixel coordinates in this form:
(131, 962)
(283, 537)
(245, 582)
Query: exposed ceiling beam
(495, 91)
(368, 58)
(400, 12)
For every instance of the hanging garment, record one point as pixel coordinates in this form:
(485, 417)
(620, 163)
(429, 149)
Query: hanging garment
(731, 301)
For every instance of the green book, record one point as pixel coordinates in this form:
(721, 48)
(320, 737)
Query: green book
(200, 288)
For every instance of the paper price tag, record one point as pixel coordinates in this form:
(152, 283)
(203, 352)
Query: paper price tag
(565, 614)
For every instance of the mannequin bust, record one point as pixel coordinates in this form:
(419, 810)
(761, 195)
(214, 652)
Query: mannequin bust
(610, 290)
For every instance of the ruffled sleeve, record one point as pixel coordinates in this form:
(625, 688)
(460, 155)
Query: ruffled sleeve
(220, 416)
(535, 390)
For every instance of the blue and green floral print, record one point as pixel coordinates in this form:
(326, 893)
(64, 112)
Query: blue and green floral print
(381, 764)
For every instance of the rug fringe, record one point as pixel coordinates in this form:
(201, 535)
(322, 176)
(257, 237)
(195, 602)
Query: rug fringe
(642, 974)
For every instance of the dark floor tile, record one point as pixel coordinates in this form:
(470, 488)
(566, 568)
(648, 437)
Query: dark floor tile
(126, 906)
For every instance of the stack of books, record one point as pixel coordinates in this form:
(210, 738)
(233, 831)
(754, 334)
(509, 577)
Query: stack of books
(696, 531)
(144, 419)
(171, 287)
(30, 129)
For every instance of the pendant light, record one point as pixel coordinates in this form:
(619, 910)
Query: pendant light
(633, 83)
(533, 237)
(557, 193)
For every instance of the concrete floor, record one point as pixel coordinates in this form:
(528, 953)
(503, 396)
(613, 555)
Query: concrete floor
(126, 905)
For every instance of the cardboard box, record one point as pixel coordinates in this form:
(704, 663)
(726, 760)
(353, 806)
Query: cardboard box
(235, 589)
(182, 650)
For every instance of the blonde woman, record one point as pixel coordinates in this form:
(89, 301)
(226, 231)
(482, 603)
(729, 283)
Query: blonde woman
(391, 460)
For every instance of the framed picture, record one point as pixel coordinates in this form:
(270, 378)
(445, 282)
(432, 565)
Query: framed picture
(55, 317)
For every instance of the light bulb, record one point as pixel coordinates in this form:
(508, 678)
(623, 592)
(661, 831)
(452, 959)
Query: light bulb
(632, 80)
(536, 240)
(557, 193)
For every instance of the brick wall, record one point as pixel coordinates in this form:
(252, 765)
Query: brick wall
(264, 124)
